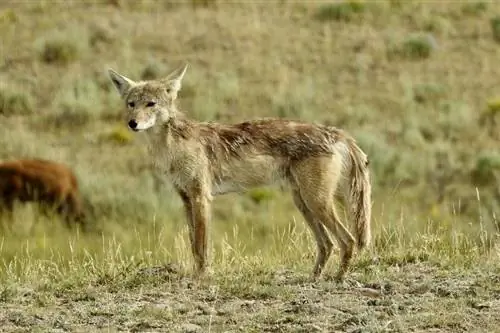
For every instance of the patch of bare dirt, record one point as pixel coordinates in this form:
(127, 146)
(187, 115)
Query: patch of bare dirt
(414, 298)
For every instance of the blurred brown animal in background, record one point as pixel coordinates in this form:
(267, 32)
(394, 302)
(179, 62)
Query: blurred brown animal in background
(49, 183)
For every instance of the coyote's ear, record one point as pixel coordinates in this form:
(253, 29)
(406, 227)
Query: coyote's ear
(175, 78)
(121, 83)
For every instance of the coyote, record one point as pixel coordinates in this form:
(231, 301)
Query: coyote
(36, 180)
(319, 163)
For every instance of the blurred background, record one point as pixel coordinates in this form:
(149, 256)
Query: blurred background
(416, 83)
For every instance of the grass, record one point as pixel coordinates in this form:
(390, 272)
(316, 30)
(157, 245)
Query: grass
(430, 127)
(342, 11)
(414, 47)
(13, 101)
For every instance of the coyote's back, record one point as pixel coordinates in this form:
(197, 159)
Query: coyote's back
(319, 163)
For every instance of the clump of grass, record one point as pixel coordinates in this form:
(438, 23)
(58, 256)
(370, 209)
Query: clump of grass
(493, 106)
(454, 119)
(487, 164)
(204, 104)
(101, 35)
(153, 70)
(75, 106)
(488, 117)
(297, 102)
(437, 24)
(120, 135)
(15, 101)
(204, 3)
(62, 48)
(474, 8)
(259, 195)
(495, 28)
(414, 47)
(428, 92)
(8, 16)
(343, 11)
(69, 118)
(397, 3)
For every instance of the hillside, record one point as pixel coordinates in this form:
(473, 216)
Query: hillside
(416, 83)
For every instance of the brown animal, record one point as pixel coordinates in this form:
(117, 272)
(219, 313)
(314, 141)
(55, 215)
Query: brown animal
(35, 180)
(319, 163)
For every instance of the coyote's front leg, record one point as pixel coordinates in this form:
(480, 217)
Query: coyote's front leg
(188, 208)
(199, 197)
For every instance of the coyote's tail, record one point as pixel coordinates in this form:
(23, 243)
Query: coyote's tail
(359, 195)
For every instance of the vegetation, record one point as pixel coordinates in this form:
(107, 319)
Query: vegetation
(415, 82)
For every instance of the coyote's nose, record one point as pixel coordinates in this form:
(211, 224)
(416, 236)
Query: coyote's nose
(132, 124)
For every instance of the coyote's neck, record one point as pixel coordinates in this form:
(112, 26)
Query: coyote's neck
(167, 139)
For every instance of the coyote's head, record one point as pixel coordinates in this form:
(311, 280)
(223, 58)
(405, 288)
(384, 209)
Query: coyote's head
(148, 102)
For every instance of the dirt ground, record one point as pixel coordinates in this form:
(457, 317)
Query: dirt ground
(412, 298)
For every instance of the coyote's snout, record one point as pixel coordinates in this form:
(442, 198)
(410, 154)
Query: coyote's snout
(319, 163)
(148, 102)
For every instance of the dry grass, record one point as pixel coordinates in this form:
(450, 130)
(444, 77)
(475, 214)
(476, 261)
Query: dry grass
(415, 82)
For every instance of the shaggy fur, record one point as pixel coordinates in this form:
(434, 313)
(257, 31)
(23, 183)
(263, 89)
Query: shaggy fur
(317, 162)
(49, 183)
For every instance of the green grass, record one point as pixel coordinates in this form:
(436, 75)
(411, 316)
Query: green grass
(430, 127)
(13, 102)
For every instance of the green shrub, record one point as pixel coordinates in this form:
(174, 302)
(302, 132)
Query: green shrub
(153, 70)
(15, 101)
(120, 135)
(259, 195)
(495, 27)
(75, 105)
(8, 16)
(474, 8)
(69, 117)
(485, 167)
(101, 35)
(59, 51)
(488, 116)
(63, 47)
(414, 47)
(344, 11)
(428, 92)
(493, 106)
(204, 3)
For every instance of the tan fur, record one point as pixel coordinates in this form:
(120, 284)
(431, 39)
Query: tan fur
(318, 162)
(35, 180)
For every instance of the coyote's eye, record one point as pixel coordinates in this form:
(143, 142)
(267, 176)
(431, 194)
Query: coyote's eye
(131, 104)
(168, 90)
(150, 104)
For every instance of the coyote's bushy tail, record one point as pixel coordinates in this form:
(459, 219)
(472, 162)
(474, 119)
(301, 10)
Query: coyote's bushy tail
(359, 197)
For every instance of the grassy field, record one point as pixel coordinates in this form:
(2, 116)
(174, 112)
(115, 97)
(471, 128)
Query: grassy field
(417, 83)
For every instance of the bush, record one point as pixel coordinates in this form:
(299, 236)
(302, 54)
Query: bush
(15, 101)
(120, 135)
(153, 70)
(474, 8)
(493, 106)
(414, 47)
(75, 105)
(487, 164)
(59, 51)
(8, 16)
(488, 117)
(259, 195)
(495, 27)
(204, 3)
(428, 92)
(63, 48)
(344, 11)
(68, 118)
